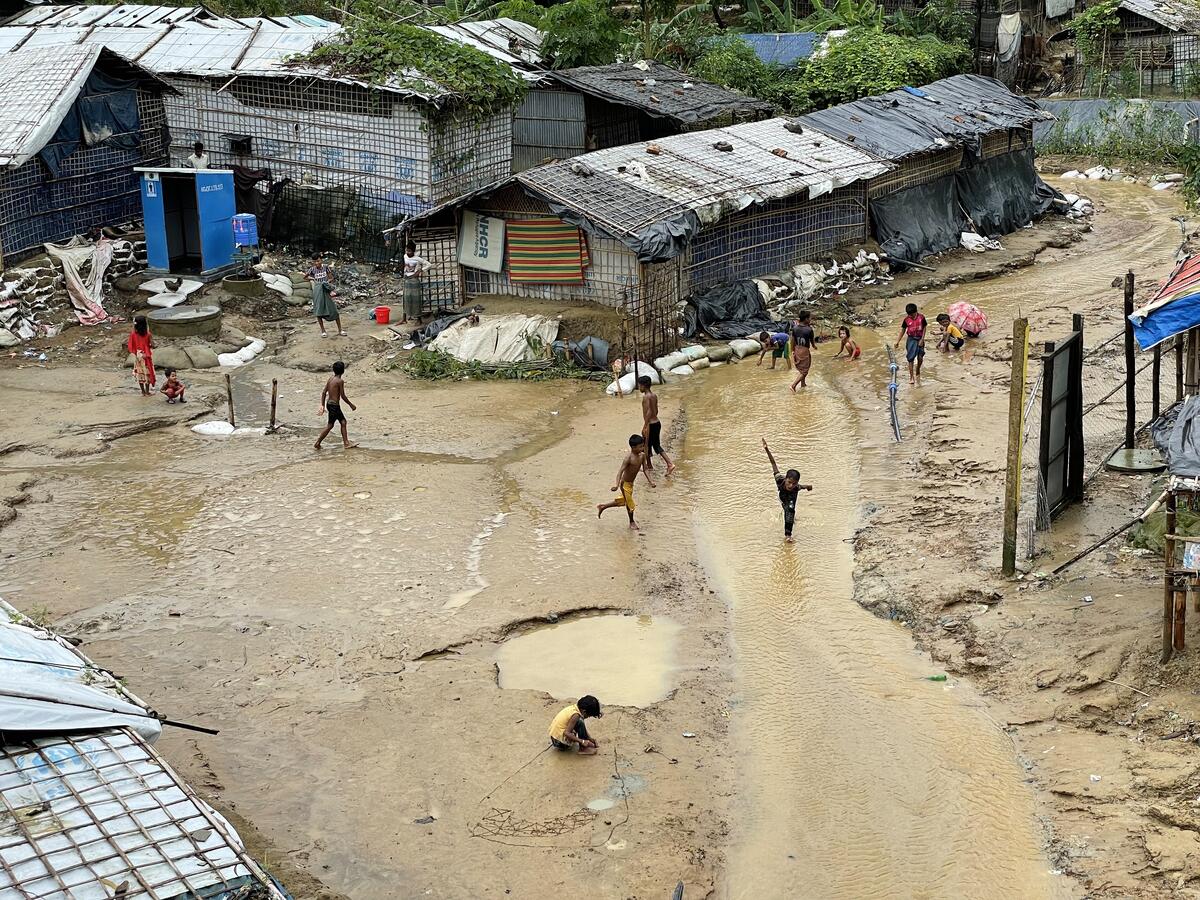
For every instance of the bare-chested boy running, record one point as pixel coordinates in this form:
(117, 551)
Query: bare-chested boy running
(651, 427)
(635, 461)
(331, 403)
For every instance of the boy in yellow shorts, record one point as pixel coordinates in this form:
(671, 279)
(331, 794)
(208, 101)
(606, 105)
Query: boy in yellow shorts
(635, 461)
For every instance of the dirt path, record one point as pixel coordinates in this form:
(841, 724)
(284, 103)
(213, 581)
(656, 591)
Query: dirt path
(858, 778)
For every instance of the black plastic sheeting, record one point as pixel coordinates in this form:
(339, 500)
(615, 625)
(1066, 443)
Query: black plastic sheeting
(1003, 193)
(996, 196)
(1179, 439)
(728, 311)
(104, 113)
(956, 111)
(918, 221)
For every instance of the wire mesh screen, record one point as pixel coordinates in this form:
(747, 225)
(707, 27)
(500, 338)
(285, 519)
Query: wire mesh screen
(440, 285)
(1136, 61)
(916, 170)
(95, 186)
(774, 236)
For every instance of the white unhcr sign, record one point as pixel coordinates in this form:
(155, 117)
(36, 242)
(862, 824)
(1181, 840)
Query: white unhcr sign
(481, 242)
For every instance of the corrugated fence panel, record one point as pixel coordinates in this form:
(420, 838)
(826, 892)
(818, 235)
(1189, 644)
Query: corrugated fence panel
(548, 125)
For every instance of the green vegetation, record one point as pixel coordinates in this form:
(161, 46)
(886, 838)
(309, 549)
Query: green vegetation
(1092, 29)
(581, 33)
(433, 365)
(378, 51)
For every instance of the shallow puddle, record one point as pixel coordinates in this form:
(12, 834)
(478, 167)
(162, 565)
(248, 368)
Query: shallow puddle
(621, 660)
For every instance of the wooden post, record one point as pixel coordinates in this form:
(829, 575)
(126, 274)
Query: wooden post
(1178, 367)
(1016, 411)
(1168, 623)
(229, 396)
(1130, 366)
(1156, 374)
(274, 398)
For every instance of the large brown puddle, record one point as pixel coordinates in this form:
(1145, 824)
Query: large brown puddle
(622, 660)
(859, 777)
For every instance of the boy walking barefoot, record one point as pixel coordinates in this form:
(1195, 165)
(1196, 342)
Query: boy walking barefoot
(651, 427)
(912, 332)
(331, 404)
(635, 461)
(789, 488)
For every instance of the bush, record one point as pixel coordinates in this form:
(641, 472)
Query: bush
(522, 10)
(581, 33)
(730, 62)
(378, 50)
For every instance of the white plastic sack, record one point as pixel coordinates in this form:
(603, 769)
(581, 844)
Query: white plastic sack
(159, 286)
(743, 347)
(683, 370)
(694, 352)
(628, 385)
(1165, 185)
(279, 283)
(229, 359)
(977, 243)
(644, 368)
(1074, 173)
(670, 361)
(213, 429)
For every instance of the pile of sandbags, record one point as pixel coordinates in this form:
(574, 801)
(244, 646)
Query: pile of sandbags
(301, 293)
(786, 293)
(1077, 207)
(1095, 173)
(129, 258)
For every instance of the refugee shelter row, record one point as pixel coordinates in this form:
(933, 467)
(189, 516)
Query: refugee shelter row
(74, 121)
(646, 226)
(332, 161)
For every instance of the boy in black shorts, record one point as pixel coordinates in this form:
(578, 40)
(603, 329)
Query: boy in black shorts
(651, 427)
(331, 405)
(789, 488)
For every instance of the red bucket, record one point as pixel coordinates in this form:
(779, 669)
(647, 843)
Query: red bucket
(383, 315)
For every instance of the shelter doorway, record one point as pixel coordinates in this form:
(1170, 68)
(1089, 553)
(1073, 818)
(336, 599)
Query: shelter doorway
(181, 217)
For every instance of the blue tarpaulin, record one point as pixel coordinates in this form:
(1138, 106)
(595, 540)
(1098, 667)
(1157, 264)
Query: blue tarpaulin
(1173, 310)
(783, 49)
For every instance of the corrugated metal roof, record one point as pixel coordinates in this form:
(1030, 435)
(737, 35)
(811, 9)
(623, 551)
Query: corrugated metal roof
(222, 47)
(1176, 15)
(783, 49)
(625, 189)
(661, 91)
(37, 88)
(123, 15)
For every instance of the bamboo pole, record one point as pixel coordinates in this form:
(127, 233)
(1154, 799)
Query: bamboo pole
(1130, 366)
(274, 398)
(1168, 623)
(1016, 409)
(229, 396)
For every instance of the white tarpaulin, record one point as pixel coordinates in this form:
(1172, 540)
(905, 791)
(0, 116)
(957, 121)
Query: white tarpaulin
(1056, 8)
(481, 242)
(87, 297)
(46, 685)
(1008, 36)
(497, 339)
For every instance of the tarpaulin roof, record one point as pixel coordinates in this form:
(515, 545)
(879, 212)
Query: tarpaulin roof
(663, 92)
(953, 112)
(1174, 309)
(1175, 15)
(223, 47)
(783, 49)
(654, 195)
(100, 815)
(48, 685)
(38, 87)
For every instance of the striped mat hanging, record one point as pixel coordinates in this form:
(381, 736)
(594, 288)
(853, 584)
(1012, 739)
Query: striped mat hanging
(546, 251)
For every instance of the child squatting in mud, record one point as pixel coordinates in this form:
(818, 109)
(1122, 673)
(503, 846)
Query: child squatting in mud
(567, 731)
(635, 460)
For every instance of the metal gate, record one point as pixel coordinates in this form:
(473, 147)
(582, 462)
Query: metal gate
(1060, 456)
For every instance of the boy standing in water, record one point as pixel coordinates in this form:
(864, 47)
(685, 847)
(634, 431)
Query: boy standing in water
(567, 731)
(635, 461)
(789, 489)
(651, 427)
(912, 331)
(331, 404)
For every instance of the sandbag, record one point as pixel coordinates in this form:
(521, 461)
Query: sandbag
(694, 352)
(628, 385)
(644, 368)
(213, 429)
(670, 361)
(718, 353)
(743, 347)
(701, 363)
(229, 359)
(683, 370)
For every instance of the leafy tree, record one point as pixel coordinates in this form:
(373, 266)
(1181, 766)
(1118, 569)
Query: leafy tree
(731, 63)
(944, 19)
(843, 14)
(522, 10)
(581, 33)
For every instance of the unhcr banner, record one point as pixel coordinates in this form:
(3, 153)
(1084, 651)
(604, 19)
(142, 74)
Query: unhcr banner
(481, 242)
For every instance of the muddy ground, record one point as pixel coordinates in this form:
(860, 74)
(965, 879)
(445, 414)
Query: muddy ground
(338, 617)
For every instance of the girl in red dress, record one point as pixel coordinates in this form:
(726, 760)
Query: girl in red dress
(141, 345)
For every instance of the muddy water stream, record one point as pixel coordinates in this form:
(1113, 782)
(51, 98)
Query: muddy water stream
(859, 777)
